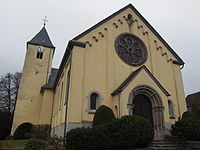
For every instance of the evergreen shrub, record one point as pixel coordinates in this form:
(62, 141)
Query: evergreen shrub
(21, 130)
(85, 139)
(188, 128)
(102, 115)
(189, 114)
(129, 132)
(35, 144)
(126, 132)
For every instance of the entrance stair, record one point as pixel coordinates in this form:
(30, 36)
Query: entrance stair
(170, 143)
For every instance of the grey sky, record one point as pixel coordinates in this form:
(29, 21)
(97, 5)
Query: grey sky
(177, 21)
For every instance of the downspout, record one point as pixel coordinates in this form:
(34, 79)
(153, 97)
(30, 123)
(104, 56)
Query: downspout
(119, 105)
(65, 125)
(52, 108)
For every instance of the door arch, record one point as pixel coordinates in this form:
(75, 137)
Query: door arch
(152, 100)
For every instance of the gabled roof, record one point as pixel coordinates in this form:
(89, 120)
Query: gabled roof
(180, 61)
(42, 38)
(131, 77)
(51, 82)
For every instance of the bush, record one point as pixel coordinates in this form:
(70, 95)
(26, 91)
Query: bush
(5, 124)
(56, 142)
(126, 132)
(21, 130)
(85, 139)
(129, 132)
(188, 128)
(102, 115)
(189, 114)
(35, 144)
(41, 131)
(9, 137)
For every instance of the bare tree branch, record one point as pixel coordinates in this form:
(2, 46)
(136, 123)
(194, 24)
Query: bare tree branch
(9, 85)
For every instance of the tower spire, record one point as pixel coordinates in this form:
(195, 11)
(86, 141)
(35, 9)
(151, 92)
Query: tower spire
(45, 20)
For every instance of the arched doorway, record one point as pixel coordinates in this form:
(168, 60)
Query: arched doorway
(142, 107)
(146, 102)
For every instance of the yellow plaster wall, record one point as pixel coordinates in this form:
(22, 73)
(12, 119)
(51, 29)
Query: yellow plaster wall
(46, 109)
(97, 67)
(59, 106)
(34, 75)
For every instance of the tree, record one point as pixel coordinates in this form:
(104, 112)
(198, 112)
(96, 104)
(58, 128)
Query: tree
(9, 85)
(5, 124)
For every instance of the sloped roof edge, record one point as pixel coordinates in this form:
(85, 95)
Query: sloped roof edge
(181, 62)
(130, 78)
(42, 38)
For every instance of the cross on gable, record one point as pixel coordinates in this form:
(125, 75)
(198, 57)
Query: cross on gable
(45, 20)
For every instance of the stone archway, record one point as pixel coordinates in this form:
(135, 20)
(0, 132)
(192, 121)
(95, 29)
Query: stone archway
(156, 105)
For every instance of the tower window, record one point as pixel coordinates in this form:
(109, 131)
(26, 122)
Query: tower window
(40, 50)
(39, 55)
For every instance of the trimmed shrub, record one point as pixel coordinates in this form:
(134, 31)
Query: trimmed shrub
(126, 132)
(189, 114)
(102, 115)
(35, 144)
(129, 132)
(41, 131)
(86, 139)
(188, 129)
(21, 130)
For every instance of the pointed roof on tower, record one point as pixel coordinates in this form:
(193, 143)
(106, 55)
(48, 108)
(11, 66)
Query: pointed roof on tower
(42, 38)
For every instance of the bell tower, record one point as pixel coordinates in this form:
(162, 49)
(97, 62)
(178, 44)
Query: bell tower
(35, 74)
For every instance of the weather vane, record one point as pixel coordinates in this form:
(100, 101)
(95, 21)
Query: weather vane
(45, 20)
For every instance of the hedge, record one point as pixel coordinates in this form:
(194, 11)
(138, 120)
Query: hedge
(126, 132)
(188, 129)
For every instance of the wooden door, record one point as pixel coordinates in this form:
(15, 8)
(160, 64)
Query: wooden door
(142, 107)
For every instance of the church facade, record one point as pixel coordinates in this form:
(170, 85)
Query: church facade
(121, 62)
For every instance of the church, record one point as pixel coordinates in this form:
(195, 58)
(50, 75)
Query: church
(121, 62)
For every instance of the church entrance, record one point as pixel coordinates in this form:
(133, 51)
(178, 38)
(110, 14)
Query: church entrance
(144, 101)
(142, 107)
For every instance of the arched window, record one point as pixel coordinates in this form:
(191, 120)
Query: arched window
(94, 101)
(39, 55)
(171, 110)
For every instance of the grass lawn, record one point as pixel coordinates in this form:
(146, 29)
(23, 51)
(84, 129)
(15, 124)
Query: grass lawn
(12, 143)
(19, 144)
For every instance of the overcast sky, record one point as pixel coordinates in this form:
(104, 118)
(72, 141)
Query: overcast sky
(177, 21)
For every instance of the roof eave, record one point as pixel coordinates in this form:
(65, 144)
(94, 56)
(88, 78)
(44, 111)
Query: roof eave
(68, 50)
(142, 18)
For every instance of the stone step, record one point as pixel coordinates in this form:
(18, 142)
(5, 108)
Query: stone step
(169, 143)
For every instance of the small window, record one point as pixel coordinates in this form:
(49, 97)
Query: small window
(39, 55)
(171, 110)
(93, 101)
